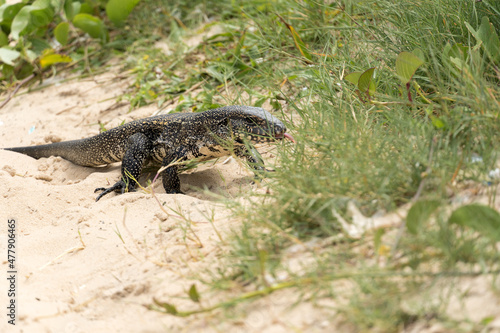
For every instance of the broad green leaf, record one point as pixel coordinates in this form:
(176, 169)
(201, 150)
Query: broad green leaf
(419, 213)
(85, 8)
(3, 39)
(193, 294)
(38, 45)
(487, 35)
(41, 4)
(419, 54)
(61, 32)
(459, 51)
(8, 56)
(365, 82)
(41, 17)
(406, 65)
(8, 12)
(68, 10)
(437, 122)
(57, 5)
(353, 77)
(91, 25)
(21, 22)
(119, 10)
(7, 70)
(54, 58)
(41, 13)
(490, 40)
(483, 219)
(76, 9)
(71, 8)
(31, 56)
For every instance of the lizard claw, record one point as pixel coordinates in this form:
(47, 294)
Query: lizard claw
(118, 186)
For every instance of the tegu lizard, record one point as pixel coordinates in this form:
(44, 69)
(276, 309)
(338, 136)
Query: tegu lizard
(169, 139)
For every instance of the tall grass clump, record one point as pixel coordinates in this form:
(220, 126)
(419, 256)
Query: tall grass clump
(380, 149)
(392, 103)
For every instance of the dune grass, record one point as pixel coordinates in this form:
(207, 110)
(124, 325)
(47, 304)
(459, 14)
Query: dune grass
(422, 142)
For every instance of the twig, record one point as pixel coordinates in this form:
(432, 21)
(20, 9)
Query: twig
(168, 308)
(23, 82)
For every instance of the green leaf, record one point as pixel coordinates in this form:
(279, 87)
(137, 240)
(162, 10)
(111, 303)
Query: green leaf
(69, 10)
(8, 12)
(365, 82)
(3, 39)
(353, 77)
(43, 11)
(419, 54)
(119, 10)
(77, 6)
(61, 32)
(483, 219)
(406, 65)
(57, 5)
(8, 56)
(54, 58)
(169, 308)
(458, 51)
(39, 14)
(38, 45)
(91, 25)
(85, 8)
(489, 38)
(21, 23)
(41, 17)
(193, 294)
(29, 18)
(437, 122)
(419, 213)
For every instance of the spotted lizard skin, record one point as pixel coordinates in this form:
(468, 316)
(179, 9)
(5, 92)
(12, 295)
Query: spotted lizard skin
(167, 139)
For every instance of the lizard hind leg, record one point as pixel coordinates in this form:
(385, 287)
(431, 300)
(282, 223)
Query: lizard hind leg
(138, 150)
(170, 176)
(105, 190)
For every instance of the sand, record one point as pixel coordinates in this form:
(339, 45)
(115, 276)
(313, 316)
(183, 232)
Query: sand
(91, 266)
(87, 266)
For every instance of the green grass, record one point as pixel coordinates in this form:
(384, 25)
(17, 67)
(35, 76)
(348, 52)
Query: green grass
(376, 155)
(379, 155)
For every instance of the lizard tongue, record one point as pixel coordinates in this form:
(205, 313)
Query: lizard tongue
(288, 136)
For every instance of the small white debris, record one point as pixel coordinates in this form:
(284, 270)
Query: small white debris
(228, 160)
(476, 159)
(494, 174)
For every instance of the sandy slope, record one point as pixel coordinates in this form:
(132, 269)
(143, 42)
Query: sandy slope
(86, 266)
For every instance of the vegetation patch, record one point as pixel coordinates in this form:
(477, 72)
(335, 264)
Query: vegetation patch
(394, 106)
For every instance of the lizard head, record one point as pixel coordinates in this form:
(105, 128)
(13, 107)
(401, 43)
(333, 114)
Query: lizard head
(257, 125)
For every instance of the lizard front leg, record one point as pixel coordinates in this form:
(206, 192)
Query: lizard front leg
(138, 150)
(253, 158)
(170, 176)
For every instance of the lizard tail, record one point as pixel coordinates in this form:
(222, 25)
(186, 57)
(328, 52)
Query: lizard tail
(80, 152)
